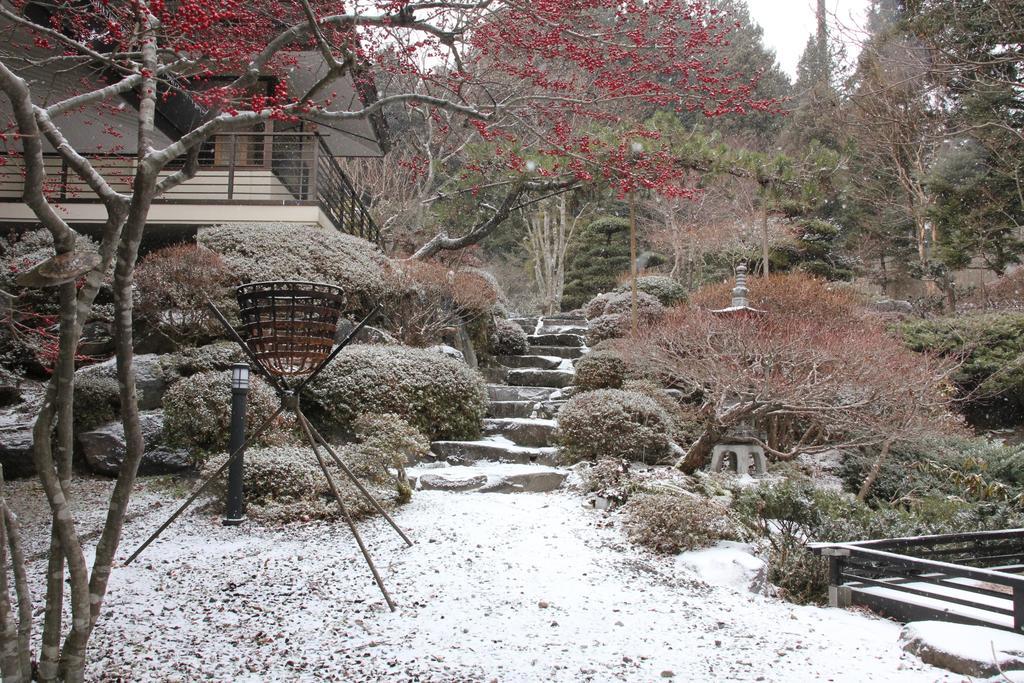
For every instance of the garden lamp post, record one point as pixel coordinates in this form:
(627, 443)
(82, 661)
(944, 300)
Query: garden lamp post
(635, 148)
(234, 510)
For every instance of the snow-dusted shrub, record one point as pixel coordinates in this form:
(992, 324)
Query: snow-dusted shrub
(507, 338)
(595, 307)
(648, 308)
(610, 477)
(611, 423)
(97, 400)
(607, 327)
(661, 287)
(272, 251)
(687, 423)
(440, 396)
(672, 523)
(604, 369)
(197, 413)
(193, 360)
(387, 442)
(426, 299)
(172, 286)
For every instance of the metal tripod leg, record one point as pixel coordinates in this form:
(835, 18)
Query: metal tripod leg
(352, 477)
(344, 511)
(209, 480)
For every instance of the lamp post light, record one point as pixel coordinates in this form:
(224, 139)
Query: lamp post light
(234, 511)
(635, 148)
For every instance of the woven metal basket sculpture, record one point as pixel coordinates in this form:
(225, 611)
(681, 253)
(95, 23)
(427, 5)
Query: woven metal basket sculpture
(290, 325)
(288, 332)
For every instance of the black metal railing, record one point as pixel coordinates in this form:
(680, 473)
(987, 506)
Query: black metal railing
(339, 201)
(970, 578)
(289, 168)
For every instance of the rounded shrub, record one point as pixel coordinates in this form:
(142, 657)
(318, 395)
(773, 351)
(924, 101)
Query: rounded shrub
(193, 360)
(603, 369)
(648, 308)
(440, 396)
(607, 327)
(663, 288)
(595, 307)
(507, 338)
(97, 399)
(270, 251)
(197, 413)
(687, 423)
(611, 423)
(672, 523)
(172, 286)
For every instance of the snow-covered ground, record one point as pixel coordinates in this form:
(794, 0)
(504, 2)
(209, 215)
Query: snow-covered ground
(523, 587)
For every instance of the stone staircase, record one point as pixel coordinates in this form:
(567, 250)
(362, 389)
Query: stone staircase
(517, 452)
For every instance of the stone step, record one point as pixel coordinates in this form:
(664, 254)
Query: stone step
(529, 377)
(494, 375)
(564, 319)
(528, 324)
(563, 329)
(560, 351)
(504, 392)
(556, 340)
(523, 431)
(486, 477)
(496, 449)
(547, 410)
(500, 409)
(541, 362)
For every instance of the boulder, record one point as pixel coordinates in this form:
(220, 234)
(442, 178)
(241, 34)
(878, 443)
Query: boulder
(964, 649)
(104, 448)
(449, 351)
(436, 482)
(528, 482)
(150, 378)
(893, 306)
(97, 339)
(16, 450)
(367, 335)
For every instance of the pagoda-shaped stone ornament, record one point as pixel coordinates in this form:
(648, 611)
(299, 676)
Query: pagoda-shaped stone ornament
(739, 450)
(740, 302)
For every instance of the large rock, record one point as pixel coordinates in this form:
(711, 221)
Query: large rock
(528, 482)
(150, 378)
(97, 339)
(530, 432)
(895, 306)
(104, 448)
(964, 649)
(367, 335)
(437, 482)
(449, 351)
(16, 450)
(494, 450)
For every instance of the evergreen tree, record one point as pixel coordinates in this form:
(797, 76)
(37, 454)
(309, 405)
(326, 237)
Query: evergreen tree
(599, 258)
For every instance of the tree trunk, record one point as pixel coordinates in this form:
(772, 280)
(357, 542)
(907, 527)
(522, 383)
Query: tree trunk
(700, 450)
(876, 469)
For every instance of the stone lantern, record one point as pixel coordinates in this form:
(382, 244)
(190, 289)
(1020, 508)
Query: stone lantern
(738, 450)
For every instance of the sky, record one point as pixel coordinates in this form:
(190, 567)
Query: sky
(788, 23)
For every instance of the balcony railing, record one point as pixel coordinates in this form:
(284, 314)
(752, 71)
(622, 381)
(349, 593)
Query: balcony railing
(276, 168)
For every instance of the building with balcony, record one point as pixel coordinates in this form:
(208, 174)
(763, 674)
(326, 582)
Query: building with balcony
(280, 173)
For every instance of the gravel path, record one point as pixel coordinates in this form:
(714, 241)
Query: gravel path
(523, 587)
